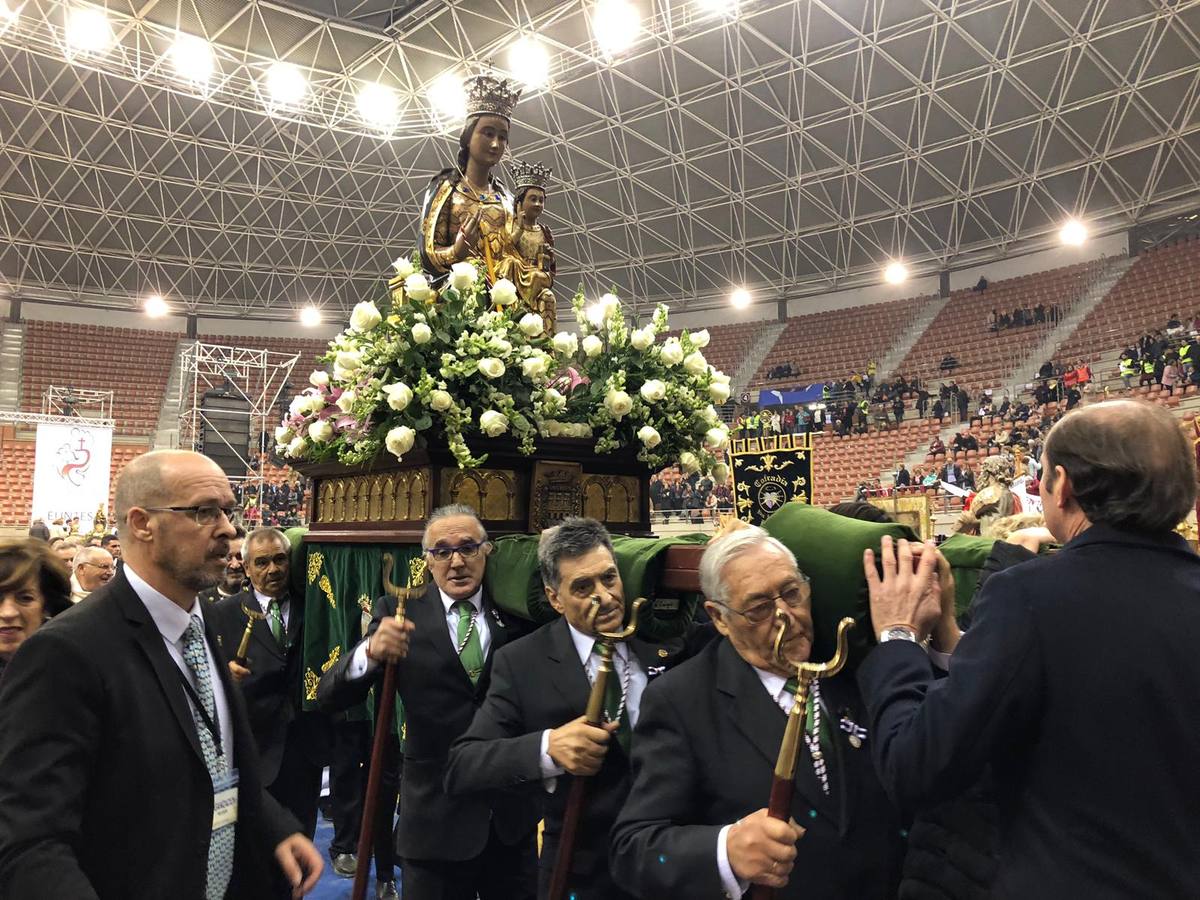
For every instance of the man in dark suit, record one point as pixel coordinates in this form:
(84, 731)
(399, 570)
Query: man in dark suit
(451, 847)
(903, 476)
(695, 823)
(233, 579)
(293, 745)
(1076, 681)
(530, 730)
(122, 737)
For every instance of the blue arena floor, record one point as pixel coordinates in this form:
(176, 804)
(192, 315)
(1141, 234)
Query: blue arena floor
(331, 887)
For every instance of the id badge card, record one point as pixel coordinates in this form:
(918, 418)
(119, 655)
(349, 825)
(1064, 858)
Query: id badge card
(225, 800)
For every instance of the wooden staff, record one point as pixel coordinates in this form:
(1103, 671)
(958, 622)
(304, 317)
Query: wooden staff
(241, 657)
(386, 700)
(783, 782)
(595, 717)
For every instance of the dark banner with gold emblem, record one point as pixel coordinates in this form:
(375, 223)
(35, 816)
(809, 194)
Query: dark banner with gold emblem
(769, 472)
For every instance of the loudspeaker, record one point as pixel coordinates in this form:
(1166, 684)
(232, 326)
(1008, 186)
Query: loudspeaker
(225, 432)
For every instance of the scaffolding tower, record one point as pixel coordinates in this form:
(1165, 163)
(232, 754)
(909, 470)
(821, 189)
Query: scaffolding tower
(72, 402)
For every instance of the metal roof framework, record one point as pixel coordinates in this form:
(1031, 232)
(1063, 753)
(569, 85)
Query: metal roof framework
(790, 147)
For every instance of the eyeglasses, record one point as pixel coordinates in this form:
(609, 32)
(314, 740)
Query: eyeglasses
(466, 551)
(202, 515)
(792, 596)
(101, 567)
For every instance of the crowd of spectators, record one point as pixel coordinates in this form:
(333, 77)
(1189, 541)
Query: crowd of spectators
(691, 498)
(1168, 356)
(1024, 317)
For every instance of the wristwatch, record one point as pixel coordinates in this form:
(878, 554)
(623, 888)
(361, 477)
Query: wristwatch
(898, 633)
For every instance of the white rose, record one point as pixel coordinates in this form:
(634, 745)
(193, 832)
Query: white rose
(348, 360)
(346, 401)
(504, 292)
(592, 345)
(422, 333)
(641, 338)
(671, 352)
(695, 364)
(720, 473)
(653, 390)
(531, 325)
(554, 400)
(718, 392)
(718, 375)
(649, 436)
(283, 434)
(500, 346)
(463, 276)
(580, 430)
(491, 367)
(493, 423)
(417, 287)
(565, 343)
(299, 405)
(551, 428)
(319, 378)
(403, 266)
(716, 438)
(440, 400)
(700, 338)
(365, 316)
(689, 462)
(400, 440)
(320, 431)
(399, 395)
(618, 403)
(296, 448)
(608, 303)
(535, 366)
(710, 416)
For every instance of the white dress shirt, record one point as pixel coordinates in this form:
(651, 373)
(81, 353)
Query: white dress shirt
(172, 622)
(361, 664)
(285, 608)
(625, 665)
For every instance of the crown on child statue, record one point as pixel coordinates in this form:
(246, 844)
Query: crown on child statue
(488, 95)
(530, 175)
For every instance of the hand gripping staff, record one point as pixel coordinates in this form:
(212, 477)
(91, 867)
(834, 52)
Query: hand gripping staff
(595, 716)
(783, 782)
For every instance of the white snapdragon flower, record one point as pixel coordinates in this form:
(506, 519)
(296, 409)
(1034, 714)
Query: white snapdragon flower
(700, 338)
(695, 363)
(592, 346)
(649, 436)
(641, 338)
(463, 276)
(504, 293)
(671, 352)
(653, 391)
(531, 325)
(346, 401)
(400, 440)
(320, 431)
(403, 266)
(493, 423)
(399, 395)
(319, 379)
(565, 343)
(365, 316)
(440, 400)
(491, 367)
(416, 286)
(618, 403)
(422, 333)
(553, 400)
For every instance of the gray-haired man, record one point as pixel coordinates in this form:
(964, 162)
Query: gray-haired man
(530, 732)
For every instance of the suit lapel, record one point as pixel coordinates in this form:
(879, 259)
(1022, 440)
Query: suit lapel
(569, 679)
(260, 630)
(429, 616)
(657, 658)
(150, 640)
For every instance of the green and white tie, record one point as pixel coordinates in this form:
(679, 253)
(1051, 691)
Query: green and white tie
(470, 648)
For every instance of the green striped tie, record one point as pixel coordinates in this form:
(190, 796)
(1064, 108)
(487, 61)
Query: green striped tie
(470, 649)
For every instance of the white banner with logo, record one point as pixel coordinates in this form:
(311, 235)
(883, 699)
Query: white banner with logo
(71, 472)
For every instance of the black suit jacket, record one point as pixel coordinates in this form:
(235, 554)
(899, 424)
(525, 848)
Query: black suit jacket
(903, 478)
(275, 686)
(538, 683)
(703, 756)
(103, 788)
(439, 702)
(1077, 682)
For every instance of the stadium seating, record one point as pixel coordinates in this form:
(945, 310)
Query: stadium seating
(834, 344)
(133, 364)
(728, 343)
(840, 464)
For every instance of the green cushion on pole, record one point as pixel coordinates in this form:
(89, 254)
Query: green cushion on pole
(829, 550)
(966, 555)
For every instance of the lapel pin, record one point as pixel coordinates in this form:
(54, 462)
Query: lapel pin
(651, 671)
(662, 652)
(496, 616)
(857, 734)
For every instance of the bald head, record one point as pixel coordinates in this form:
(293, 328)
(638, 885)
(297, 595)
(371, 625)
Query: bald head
(146, 480)
(1128, 464)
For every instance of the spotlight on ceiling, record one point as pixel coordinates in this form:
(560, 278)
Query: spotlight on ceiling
(895, 273)
(615, 25)
(740, 298)
(88, 30)
(156, 307)
(286, 84)
(529, 62)
(1073, 233)
(193, 59)
(378, 106)
(7, 17)
(310, 317)
(447, 98)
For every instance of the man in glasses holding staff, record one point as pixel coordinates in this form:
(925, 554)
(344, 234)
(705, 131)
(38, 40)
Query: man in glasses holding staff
(451, 847)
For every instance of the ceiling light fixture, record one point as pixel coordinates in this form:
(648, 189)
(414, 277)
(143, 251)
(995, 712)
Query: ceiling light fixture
(156, 307)
(88, 31)
(310, 317)
(1073, 233)
(7, 17)
(740, 298)
(286, 84)
(193, 59)
(895, 273)
(447, 98)
(529, 61)
(615, 25)
(378, 106)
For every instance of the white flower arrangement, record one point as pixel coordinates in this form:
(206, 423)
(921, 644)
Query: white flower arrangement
(459, 360)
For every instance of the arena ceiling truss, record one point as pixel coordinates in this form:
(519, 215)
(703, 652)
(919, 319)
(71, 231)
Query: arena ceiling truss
(791, 147)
